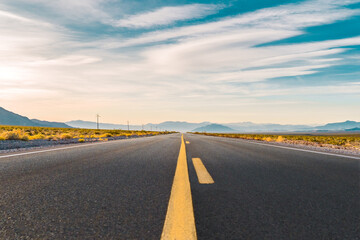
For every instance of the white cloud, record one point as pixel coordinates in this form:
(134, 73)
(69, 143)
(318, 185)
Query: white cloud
(289, 17)
(6, 16)
(167, 15)
(25, 93)
(83, 11)
(69, 60)
(218, 61)
(267, 73)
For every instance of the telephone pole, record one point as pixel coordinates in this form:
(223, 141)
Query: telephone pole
(97, 121)
(128, 125)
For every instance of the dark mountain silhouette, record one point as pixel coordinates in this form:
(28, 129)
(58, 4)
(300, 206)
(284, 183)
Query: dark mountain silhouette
(13, 119)
(50, 124)
(10, 118)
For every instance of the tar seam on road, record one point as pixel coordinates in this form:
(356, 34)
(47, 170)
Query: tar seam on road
(203, 175)
(180, 222)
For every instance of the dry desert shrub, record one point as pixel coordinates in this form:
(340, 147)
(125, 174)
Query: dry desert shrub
(65, 136)
(280, 139)
(331, 141)
(54, 134)
(15, 134)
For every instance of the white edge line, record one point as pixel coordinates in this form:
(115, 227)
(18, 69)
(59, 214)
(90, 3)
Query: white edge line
(50, 150)
(296, 149)
(304, 150)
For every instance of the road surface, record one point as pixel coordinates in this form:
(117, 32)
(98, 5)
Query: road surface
(121, 190)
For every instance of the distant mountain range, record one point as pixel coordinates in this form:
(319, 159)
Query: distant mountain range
(10, 118)
(340, 126)
(224, 128)
(214, 128)
(267, 127)
(90, 125)
(353, 129)
(169, 125)
(253, 127)
(177, 126)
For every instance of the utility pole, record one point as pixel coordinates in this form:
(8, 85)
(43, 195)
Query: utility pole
(128, 125)
(97, 121)
(142, 127)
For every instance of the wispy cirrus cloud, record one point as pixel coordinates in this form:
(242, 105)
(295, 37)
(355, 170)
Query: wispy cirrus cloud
(288, 17)
(228, 47)
(167, 15)
(65, 11)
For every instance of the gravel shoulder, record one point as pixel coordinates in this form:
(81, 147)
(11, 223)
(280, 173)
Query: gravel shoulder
(327, 149)
(310, 146)
(9, 146)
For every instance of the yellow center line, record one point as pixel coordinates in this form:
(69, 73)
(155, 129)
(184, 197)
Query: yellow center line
(203, 175)
(187, 142)
(180, 222)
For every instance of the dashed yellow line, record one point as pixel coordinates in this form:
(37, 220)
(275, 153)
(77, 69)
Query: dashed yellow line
(187, 142)
(203, 175)
(180, 222)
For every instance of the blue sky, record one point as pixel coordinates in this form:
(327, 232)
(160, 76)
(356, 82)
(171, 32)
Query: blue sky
(152, 61)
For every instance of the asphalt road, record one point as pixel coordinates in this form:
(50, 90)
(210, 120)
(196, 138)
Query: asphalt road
(121, 190)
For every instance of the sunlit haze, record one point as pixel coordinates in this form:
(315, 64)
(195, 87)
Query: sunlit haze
(270, 61)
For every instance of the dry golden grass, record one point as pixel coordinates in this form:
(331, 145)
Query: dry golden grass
(34, 133)
(344, 141)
